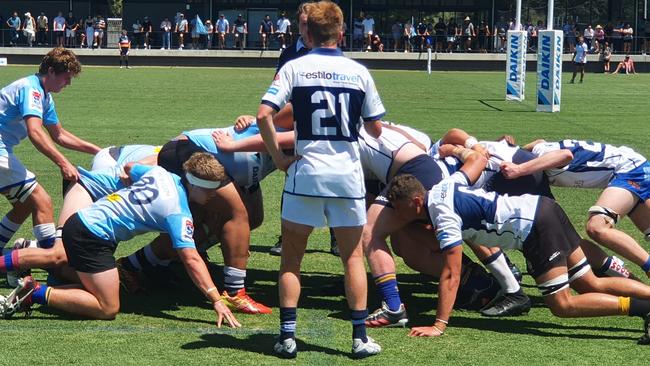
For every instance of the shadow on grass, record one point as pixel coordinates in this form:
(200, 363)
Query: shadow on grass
(261, 343)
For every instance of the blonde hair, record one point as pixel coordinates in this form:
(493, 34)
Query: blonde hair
(61, 60)
(205, 166)
(324, 23)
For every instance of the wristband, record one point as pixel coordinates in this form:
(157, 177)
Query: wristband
(210, 290)
(438, 329)
(445, 322)
(471, 141)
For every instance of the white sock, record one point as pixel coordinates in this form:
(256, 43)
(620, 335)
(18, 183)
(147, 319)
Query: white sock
(233, 278)
(45, 235)
(500, 270)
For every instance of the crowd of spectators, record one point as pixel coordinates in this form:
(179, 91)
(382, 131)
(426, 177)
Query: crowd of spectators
(458, 34)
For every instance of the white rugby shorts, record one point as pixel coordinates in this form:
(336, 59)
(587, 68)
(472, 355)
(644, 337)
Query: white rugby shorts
(324, 211)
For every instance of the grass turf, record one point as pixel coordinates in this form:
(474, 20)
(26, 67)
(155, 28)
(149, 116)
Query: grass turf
(151, 105)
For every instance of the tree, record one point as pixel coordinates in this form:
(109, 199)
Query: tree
(115, 7)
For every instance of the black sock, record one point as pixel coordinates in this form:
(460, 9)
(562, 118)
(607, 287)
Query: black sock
(288, 318)
(639, 307)
(358, 318)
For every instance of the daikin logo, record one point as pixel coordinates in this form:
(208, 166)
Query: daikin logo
(545, 54)
(514, 57)
(558, 61)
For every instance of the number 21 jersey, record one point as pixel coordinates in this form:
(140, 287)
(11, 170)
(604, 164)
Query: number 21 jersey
(330, 95)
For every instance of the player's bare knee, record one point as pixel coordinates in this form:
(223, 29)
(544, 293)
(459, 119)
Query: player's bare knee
(601, 219)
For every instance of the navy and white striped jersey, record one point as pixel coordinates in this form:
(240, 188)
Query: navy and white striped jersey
(330, 95)
(377, 154)
(594, 164)
(460, 213)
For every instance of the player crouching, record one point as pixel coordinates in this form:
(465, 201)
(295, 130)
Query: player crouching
(535, 225)
(157, 201)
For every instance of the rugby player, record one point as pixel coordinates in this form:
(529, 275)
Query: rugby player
(625, 175)
(26, 106)
(329, 94)
(533, 224)
(157, 201)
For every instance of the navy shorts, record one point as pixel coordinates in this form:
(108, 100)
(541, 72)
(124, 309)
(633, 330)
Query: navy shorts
(423, 167)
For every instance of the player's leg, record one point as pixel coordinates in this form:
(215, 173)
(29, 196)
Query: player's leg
(603, 264)
(99, 298)
(613, 203)
(382, 221)
(347, 217)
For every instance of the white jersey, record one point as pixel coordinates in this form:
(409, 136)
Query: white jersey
(593, 165)
(460, 213)
(377, 154)
(330, 94)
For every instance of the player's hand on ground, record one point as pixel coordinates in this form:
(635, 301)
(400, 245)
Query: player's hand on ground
(69, 172)
(425, 332)
(223, 313)
(242, 122)
(223, 141)
(510, 170)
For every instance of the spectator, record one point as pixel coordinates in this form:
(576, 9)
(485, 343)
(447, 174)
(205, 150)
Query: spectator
(484, 37)
(607, 55)
(406, 37)
(222, 28)
(531, 30)
(609, 32)
(589, 34)
(100, 25)
(181, 29)
(71, 26)
(440, 28)
(469, 33)
(422, 34)
(375, 43)
(368, 30)
(500, 34)
(240, 30)
(626, 65)
(628, 34)
(147, 30)
(89, 31)
(579, 59)
(284, 30)
(166, 28)
(617, 37)
(209, 27)
(599, 38)
(29, 29)
(431, 39)
(58, 27)
(137, 33)
(452, 32)
(357, 34)
(266, 29)
(196, 25)
(42, 28)
(396, 30)
(14, 25)
(569, 36)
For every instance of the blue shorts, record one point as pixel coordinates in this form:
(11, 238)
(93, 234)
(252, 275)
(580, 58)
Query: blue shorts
(636, 181)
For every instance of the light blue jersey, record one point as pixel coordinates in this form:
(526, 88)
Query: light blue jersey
(157, 201)
(121, 155)
(245, 168)
(19, 100)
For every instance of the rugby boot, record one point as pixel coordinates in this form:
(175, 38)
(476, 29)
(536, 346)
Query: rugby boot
(286, 348)
(20, 299)
(243, 303)
(361, 349)
(514, 304)
(385, 318)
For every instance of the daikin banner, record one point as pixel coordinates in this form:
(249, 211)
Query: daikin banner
(516, 65)
(549, 70)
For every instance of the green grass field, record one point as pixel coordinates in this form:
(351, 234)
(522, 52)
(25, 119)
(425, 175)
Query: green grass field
(151, 105)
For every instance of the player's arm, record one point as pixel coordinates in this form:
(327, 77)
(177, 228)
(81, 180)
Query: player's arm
(226, 143)
(456, 136)
(531, 145)
(550, 160)
(66, 139)
(198, 272)
(44, 144)
(447, 288)
(473, 162)
(270, 138)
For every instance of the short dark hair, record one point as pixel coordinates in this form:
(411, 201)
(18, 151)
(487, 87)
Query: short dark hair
(61, 60)
(403, 187)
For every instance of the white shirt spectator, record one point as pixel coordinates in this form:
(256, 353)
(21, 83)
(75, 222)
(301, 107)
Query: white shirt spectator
(581, 53)
(283, 25)
(589, 33)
